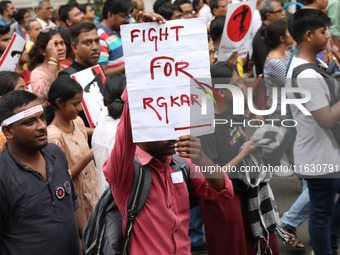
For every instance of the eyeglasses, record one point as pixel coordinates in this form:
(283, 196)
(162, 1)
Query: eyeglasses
(278, 11)
(223, 6)
(187, 13)
(179, 16)
(48, 29)
(47, 8)
(76, 15)
(125, 17)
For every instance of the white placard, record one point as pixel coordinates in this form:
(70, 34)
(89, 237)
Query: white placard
(236, 29)
(159, 61)
(12, 54)
(91, 79)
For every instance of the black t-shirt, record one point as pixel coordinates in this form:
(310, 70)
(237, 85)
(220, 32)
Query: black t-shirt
(223, 145)
(260, 51)
(37, 215)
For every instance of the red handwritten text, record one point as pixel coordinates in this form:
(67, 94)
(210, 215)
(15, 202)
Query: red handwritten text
(168, 66)
(153, 35)
(161, 102)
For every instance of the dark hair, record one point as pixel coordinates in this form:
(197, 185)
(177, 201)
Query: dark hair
(308, 2)
(35, 55)
(221, 73)
(65, 34)
(64, 11)
(79, 28)
(180, 2)
(306, 19)
(159, 3)
(12, 100)
(265, 7)
(116, 6)
(167, 10)
(4, 30)
(271, 34)
(8, 81)
(112, 91)
(19, 15)
(3, 6)
(65, 88)
(134, 4)
(194, 4)
(216, 27)
(82, 7)
(213, 5)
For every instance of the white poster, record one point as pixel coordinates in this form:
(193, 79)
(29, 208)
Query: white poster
(92, 79)
(236, 30)
(161, 61)
(12, 54)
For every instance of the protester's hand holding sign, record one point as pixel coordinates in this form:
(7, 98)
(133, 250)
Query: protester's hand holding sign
(188, 146)
(232, 60)
(143, 17)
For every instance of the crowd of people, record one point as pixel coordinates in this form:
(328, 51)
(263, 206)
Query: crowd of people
(54, 166)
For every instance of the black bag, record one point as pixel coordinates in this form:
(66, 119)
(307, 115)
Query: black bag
(102, 234)
(332, 83)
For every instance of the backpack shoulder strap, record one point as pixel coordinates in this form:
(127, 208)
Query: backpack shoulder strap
(139, 193)
(297, 70)
(332, 83)
(181, 165)
(143, 173)
(96, 224)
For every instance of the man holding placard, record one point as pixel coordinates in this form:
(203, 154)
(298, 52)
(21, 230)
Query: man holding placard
(162, 225)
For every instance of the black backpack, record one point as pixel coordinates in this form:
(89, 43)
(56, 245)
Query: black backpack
(332, 80)
(102, 234)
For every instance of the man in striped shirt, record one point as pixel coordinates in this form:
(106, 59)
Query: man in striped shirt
(115, 14)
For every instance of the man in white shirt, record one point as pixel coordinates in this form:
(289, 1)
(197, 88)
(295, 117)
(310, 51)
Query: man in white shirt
(316, 154)
(43, 10)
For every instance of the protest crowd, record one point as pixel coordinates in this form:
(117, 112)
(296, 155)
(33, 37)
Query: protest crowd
(73, 183)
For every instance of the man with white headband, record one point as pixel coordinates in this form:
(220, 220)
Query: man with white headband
(38, 208)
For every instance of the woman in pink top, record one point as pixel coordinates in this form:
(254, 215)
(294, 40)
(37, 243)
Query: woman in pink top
(44, 58)
(68, 131)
